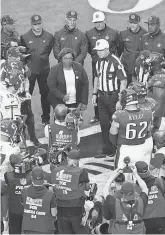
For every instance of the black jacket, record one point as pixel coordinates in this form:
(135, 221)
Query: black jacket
(57, 85)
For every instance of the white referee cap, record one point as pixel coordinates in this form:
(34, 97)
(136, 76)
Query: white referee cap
(98, 16)
(101, 44)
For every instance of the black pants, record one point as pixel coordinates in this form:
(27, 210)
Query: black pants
(155, 225)
(43, 87)
(2, 226)
(15, 223)
(107, 106)
(27, 110)
(71, 225)
(93, 76)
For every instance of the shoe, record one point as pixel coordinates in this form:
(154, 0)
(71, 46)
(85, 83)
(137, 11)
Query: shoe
(44, 123)
(94, 120)
(36, 142)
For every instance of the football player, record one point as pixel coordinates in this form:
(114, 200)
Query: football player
(130, 129)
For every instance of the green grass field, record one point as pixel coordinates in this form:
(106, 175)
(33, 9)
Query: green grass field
(53, 13)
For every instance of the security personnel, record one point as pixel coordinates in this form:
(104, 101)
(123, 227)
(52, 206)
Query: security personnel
(100, 31)
(70, 183)
(8, 33)
(130, 40)
(16, 182)
(154, 215)
(71, 37)
(128, 211)
(39, 43)
(39, 206)
(154, 40)
(110, 80)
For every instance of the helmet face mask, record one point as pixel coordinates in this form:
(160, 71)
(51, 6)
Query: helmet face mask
(128, 97)
(139, 88)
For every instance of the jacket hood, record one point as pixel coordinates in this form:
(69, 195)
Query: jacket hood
(37, 191)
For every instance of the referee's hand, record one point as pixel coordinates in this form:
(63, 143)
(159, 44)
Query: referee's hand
(94, 98)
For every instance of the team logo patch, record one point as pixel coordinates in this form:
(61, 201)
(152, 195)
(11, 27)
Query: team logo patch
(159, 45)
(127, 39)
(146, 43)
(36, 18)
(107, 37)
(93, 37)
(62, 38)
(23, 181)
(73, 13)
(132, 17)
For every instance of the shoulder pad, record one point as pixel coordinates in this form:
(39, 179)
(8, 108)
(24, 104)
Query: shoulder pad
(116, 115)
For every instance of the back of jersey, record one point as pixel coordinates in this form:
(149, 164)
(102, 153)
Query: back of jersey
(133, 126)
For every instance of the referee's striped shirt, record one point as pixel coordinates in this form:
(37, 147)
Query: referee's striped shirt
(110, 72)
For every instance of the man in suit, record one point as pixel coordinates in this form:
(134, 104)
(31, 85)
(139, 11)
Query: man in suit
(68, 82)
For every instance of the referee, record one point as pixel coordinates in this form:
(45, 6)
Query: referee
(110, 80)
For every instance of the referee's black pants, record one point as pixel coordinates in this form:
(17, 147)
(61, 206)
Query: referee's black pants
(106, 106)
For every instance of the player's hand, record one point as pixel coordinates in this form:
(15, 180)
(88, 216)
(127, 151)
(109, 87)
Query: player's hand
(94, 98)
(118, 106)
(94, 214)
(133, 168)
(66, 98)
(28, 96)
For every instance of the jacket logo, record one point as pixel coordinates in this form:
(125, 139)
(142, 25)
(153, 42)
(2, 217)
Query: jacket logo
(44, 41)
(146, 43)
(30, 42)
(62, 38)
(127, 39)
(23, 181)
(159, 45)
(93, 37)
(75, 37)
(77, 77)
(107, 37)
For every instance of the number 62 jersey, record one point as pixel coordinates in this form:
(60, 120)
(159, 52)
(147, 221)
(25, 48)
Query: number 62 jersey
(133, 126)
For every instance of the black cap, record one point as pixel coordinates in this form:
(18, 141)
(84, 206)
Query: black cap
(35, 19)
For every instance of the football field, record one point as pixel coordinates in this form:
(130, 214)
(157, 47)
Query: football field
(53, 13)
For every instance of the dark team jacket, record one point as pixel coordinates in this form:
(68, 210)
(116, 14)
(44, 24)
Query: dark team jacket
(130, 47)
(154, 43)
(74, 39)
(40, 48)
(57, 85)
(107, 33)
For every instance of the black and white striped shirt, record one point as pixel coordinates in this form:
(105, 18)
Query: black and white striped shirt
(110, 72)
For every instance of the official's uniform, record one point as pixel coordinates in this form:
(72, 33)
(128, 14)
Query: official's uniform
(69, 190)
(154, 43)
(40, 48)
(133, 131)
(141, 71)
(93, 35)
(130, 49)
(16, 182)
(37, 204)
(110, 72)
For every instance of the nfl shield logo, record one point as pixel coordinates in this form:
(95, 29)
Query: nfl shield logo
(23, 181)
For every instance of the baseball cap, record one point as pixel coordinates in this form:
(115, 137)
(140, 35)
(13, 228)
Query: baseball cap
(128, 191)
(71, 14)
(74, 154)
(153, 20)
(142, 169)
(7, 19)
(101, 44)
(98, 16)
(38, 175)
(134, 18)
(35, 19)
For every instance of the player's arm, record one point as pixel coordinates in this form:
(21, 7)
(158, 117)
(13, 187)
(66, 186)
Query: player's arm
(114, 130)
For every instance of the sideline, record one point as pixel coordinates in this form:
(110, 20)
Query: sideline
(83, 133)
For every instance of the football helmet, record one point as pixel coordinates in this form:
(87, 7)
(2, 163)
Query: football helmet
(128, 97)
(159, 138)
(139, 88)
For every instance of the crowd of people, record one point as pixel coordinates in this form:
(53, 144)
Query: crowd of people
(128, 75)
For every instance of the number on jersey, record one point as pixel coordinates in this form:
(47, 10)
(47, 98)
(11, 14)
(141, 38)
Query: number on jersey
(132, 133)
